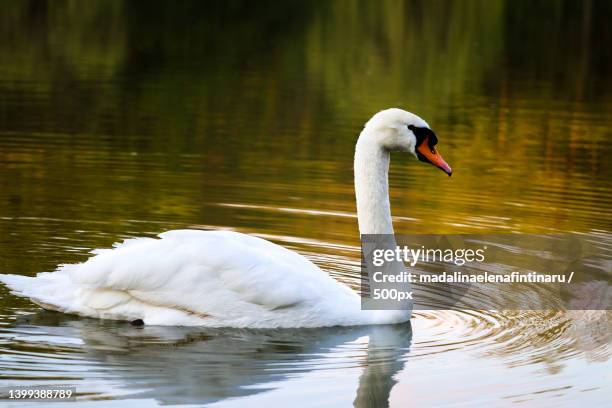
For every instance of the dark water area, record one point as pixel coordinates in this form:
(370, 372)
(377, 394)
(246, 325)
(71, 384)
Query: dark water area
(122, 119)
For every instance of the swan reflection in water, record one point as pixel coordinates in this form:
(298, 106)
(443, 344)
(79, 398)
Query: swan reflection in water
(187, 365)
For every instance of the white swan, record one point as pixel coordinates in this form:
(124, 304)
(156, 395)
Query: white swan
(228, 279)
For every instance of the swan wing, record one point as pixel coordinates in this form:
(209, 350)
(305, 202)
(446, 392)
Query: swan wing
(215, 278)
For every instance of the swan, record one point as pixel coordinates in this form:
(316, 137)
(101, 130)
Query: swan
(229, 279)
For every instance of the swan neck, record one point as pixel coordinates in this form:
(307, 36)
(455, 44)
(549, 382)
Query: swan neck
(372, 185)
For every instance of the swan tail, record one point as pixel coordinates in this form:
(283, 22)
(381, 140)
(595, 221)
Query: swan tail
(16, 283)
(56, 291)
(51, 291)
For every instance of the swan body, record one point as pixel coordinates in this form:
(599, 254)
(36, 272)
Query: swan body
(194, 277)
(225, 278)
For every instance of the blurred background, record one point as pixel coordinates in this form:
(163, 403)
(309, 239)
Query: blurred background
(154, 111)
(122, 119)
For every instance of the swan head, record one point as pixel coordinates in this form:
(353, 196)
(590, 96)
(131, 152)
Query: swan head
(398, 130)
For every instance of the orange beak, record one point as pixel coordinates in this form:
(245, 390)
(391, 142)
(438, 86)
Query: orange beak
(432, 155)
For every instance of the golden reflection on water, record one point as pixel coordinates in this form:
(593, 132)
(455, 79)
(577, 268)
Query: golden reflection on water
(118, 122)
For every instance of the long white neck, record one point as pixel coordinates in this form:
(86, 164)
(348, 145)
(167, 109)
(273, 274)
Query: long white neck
(374, 210)
(372, 186)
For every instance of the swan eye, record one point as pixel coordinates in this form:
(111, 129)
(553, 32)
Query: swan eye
(424, 133)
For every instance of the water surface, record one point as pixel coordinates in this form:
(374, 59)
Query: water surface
(119, 120)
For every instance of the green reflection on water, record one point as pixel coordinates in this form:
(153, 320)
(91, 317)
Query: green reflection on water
(119, 119)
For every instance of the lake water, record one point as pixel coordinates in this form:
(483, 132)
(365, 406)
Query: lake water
(120, 120)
